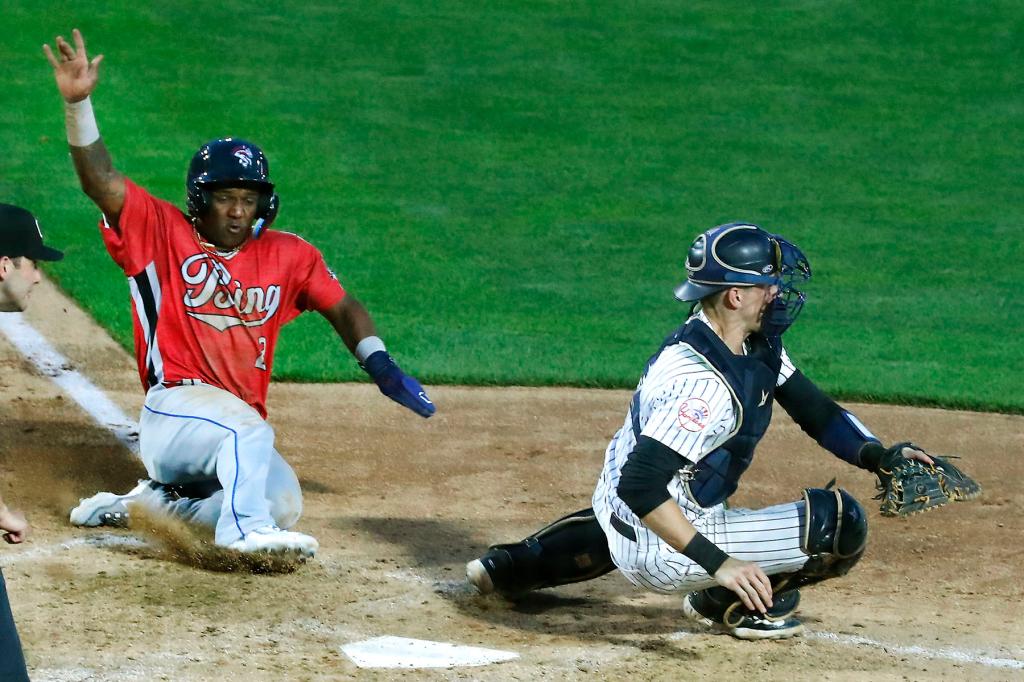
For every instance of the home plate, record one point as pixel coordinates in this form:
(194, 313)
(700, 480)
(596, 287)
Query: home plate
(402, 652)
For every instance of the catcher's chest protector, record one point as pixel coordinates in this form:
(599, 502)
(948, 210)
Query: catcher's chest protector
(752, 379)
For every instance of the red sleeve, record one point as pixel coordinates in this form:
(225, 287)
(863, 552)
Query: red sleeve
(318, 285)
(133, 241)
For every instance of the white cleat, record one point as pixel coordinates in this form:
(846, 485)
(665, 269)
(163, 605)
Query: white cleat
(108, 509)
(273, 540)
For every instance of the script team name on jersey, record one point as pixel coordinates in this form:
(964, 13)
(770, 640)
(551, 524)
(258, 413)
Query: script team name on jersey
(209, 283)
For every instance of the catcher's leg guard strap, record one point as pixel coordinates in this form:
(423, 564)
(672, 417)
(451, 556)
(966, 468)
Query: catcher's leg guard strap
(834, 535)
(570, 550)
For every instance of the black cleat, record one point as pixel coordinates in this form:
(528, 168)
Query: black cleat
(741, 623)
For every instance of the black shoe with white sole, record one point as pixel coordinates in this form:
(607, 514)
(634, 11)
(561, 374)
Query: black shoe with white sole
(718, 608)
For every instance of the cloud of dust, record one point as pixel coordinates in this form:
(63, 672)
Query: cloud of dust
(171, 539)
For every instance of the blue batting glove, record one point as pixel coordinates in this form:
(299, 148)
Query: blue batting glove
(393, 383)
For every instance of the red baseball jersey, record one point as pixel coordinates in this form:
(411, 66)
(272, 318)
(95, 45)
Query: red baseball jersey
(209, 315)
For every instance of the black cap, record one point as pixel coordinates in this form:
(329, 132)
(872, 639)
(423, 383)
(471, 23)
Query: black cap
(20, 235)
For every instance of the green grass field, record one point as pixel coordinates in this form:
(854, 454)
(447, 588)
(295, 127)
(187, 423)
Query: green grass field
(511, 187)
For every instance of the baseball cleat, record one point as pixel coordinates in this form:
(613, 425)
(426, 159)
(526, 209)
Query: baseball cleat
(478, 577)
(747, 625)
(273, 540)
(758, 627)
(107, 509)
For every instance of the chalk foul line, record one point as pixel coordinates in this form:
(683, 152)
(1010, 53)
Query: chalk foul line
(49, 362)
(948, 654)
(30, 553)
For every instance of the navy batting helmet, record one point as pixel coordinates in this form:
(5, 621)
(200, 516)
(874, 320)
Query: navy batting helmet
(230, 162)
(741, 254)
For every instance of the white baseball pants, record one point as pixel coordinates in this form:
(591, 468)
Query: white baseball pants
(198, 433)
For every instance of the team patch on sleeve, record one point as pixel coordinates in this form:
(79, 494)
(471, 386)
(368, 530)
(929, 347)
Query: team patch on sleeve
(694, 414)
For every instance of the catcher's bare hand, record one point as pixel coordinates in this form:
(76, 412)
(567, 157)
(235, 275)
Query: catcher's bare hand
(76, 75)
(748, 581)
(911, 452)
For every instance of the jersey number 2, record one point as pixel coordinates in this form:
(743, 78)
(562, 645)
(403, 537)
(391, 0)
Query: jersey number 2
(261, 359)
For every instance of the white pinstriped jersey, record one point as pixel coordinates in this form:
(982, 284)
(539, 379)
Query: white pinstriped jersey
(683, 402)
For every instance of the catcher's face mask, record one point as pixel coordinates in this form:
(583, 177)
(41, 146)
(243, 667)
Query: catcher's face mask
(792, 268)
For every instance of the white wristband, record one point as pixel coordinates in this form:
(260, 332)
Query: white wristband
(81, 123)
(367, 347)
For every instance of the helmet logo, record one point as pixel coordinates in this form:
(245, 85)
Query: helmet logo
(766, 269)
(244, 156)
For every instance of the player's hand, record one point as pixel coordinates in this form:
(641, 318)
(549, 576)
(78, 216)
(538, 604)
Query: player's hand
(393, 383)
(76, 75)
(14, 525)
(748, 581)
(911, 452)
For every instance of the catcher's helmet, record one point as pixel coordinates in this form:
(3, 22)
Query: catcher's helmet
(741, 254)
(230, 162)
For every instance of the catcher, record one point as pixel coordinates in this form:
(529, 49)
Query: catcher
(700, 408)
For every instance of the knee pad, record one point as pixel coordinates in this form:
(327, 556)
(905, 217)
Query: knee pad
(834, 523)
(835, 534)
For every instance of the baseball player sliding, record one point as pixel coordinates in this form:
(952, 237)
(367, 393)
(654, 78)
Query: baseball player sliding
(210, 292)
(699, 410)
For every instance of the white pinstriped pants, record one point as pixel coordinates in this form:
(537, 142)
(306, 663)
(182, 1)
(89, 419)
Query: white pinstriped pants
(769, 537)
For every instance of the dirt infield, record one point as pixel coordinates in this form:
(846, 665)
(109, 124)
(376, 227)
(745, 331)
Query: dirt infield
(400, 504)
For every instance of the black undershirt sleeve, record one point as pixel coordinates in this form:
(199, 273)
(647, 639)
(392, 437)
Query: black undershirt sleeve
(825, 421)
(646, 474)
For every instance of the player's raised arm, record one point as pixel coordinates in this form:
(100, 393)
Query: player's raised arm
(355, 327)
(76, 78)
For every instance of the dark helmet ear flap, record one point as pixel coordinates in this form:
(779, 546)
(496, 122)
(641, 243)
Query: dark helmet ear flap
(697, 256)
(199, 201)
(265, 213)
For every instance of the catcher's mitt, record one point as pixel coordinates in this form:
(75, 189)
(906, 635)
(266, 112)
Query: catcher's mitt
(907, 486)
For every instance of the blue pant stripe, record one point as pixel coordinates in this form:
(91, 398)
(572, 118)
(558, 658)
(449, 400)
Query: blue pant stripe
(234, 435)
